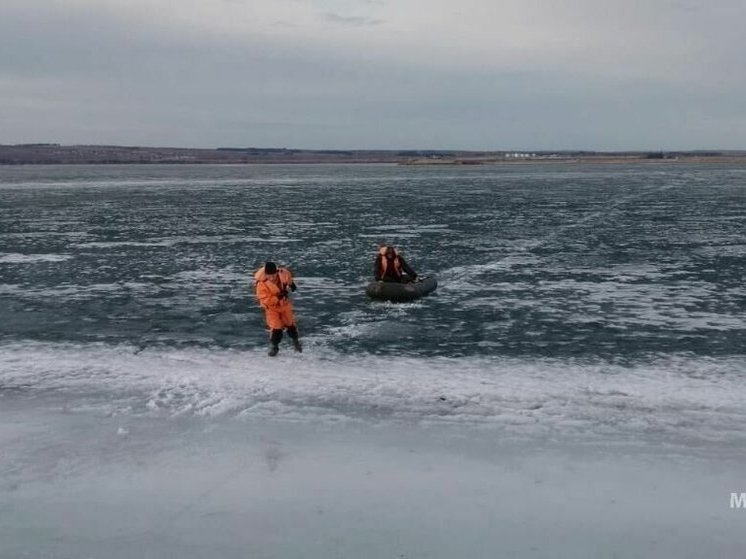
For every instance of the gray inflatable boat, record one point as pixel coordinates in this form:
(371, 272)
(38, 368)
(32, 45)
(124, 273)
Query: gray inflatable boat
(401, 292)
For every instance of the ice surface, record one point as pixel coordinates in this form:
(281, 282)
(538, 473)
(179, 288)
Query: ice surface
(573, 389)
(82, 485)
(671, 399)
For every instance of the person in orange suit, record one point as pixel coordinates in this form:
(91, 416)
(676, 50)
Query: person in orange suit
(390, 266)
(272, 286)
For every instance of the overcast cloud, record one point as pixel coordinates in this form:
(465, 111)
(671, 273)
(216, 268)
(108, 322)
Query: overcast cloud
(474, 74)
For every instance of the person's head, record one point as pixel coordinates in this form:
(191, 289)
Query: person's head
(387, 251)
(270, 268)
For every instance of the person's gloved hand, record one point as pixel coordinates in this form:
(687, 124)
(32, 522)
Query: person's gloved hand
(283, 294)
(293, 287)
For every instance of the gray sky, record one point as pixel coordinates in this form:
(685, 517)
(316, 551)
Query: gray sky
(473, 74)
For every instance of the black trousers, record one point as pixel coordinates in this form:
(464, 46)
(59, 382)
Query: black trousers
(276, 335)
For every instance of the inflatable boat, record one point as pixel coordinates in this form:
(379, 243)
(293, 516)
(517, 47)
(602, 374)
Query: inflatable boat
(401, 292)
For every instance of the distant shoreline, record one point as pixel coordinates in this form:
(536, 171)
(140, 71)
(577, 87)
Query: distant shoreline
(56, 154)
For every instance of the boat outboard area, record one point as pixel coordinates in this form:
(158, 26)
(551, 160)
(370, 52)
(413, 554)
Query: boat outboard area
(401, 292)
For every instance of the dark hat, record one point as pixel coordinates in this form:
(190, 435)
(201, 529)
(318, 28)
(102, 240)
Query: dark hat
(270, 268)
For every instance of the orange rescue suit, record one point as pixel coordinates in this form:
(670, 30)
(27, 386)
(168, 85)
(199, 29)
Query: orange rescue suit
(278, 311)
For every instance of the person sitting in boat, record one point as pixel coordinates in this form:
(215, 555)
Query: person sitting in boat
(390, 266)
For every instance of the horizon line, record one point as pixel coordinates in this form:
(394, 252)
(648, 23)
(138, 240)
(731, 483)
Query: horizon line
(393, 149)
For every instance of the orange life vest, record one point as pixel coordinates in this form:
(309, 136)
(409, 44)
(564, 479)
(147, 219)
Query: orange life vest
(385, 262)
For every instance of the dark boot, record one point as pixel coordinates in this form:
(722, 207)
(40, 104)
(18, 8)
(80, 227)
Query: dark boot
(293, 333)
(274, 342)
